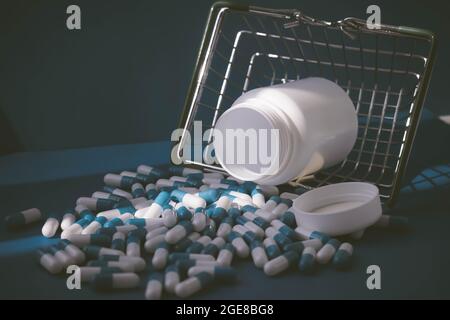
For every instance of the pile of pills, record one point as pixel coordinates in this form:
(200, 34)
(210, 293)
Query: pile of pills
(182, 228)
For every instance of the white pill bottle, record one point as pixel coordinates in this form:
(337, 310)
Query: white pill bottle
(272, 135)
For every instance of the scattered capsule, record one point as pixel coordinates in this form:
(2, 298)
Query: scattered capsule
(178, 232)
(118, 241)
(284, 229)
(225, 256)
(157, 207)
(68, 219)
(118, 181)
(88, 274)
(327, 252)
(138, 262)
(222, 206)
(185, 264)
(210, 229)
(260, 222)
(61, 255)
(220, 273)
(154, 287)
(123, 266)
(141, 178)
(198, 245)
(194, 284)
(342, 258)
(183, 244)
(109, 196)
(117, 212)
(288, 218)
(73, 251)
(147, 170)
(171, 278)
(214, 246)
(152, 244)
(96, 204)
(118, 192)
(96, 251)
(94, 225)
(170, 219)
(199, 220)
(258, 254)
(279, 238)
(176, 256)
(258, 198)
(50, 227)
(305, 233)
(156, 232)
(161, 255)
(271, 203)
(78, 226)
(48, 261)
(246, 223)
(307, 260)
(209, 195)
(289, 195)
(23, 218)
(239, 244)
(183, 213)
(137, 190)
(81, 240)
(225, 227)
(272, 248)
(111, 230)
(247, 235)
(181, 171)
(133, 248)
(281, 263)
(108, 281)
(282, 207)
(188, 199)
(394, 222)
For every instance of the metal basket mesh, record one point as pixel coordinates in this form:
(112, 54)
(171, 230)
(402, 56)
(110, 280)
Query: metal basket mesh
(384, 71)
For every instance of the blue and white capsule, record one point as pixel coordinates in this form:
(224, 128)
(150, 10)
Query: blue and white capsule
(194, 284)
(179, 231)
(279, 238)
(161, 255)
(226, 254)
(109, 281)
(198, 245)
(23, 218)
(282, 207)
(138, 263)
(239, 244)
(190, 200)
(157, 207)
(288, 218)
(225, 227)
(118, 181)
(137, 190)
(342, 258)
(258, 198)
(48, 261)
(118, 192)
(97, 251)
(96, 204)
(154, 288)
(260, 222)
(183, 213)
(118, 241)
(307, 260)
(258, 254)
(117, 212)
(327, 252)
(246, 234)
(246, 223)
(199, 220)
(81, 240)
(133, 248)
(305, 233)
(222, 206)
(272, 248)
(73, 251)
(171, 278)
(209, 195)
(78, 226)
(183, 244)
(181, 171)
(271, 203)
(220, 273)
(281, 263)
(214, 246)
(148, 170)
(284, 229)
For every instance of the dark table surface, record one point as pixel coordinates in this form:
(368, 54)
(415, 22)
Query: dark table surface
(413, 265)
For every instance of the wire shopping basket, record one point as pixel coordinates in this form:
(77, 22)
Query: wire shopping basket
(385, 72)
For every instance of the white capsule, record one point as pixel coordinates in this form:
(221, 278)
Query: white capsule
(188, 287)
(258, 199)
(240, 195)
(266, 215)
(259, 256)
(327, 252)
(280, 263)
(199, 221)
(151, 245)
(160, 257)
(169, 217)
(241, 247)
(156, 232)
(154, 290)
(67, 220)
(50, 227)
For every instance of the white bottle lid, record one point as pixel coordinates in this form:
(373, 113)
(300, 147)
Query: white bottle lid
(338, 209)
